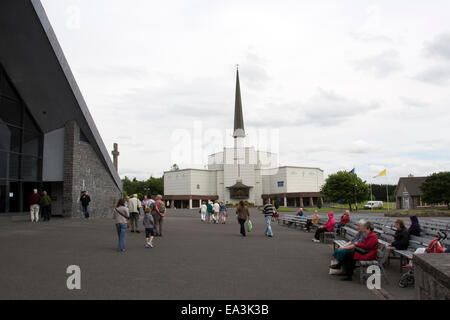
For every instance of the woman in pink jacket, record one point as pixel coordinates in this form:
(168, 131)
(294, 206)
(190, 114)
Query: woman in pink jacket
(328, 227)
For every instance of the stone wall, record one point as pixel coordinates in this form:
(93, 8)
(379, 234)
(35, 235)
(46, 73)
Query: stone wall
(83, 170)
(432, 276)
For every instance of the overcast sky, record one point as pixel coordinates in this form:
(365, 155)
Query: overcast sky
(358, 83)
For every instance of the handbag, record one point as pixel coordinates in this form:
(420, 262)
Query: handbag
(361, 250)
(249, 226)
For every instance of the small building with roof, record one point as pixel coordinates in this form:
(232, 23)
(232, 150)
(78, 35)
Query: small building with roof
(408, 194)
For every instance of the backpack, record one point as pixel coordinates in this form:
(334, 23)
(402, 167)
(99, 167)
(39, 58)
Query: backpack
(162, 208)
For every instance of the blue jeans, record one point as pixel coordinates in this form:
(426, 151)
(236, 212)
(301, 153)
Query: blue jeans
(122, 233)
(86, 211)
(268, 227)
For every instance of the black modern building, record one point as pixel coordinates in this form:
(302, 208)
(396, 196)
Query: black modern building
(48, 139)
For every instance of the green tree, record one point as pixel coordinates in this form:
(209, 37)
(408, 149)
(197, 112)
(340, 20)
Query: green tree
(319, 203)
(436, 188)
(151, 186)
(345, 187)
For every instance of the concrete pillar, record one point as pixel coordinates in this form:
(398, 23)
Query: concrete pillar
(301, 202)
(295, 202)
(285, 201)
(190, 203)
(172, 203)
(311, 201)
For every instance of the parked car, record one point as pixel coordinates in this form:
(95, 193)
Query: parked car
(374, 205)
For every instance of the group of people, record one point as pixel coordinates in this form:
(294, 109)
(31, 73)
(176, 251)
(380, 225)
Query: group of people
(364, 245)
(40, 205)
(213, 212)
(127, 213)
(216, 212)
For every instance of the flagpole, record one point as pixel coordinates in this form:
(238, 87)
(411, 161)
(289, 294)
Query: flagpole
(387, 194)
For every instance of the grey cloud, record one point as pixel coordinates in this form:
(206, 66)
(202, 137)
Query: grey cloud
(254, 73)
(439, 75)
(380, 65)
(439, 47)
(324, 108)
(412, 102)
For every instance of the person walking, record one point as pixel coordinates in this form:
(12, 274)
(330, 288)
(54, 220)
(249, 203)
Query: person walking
(149, 225)
(121, 216)
(209, 209)
(268, 212)
(160, 211)
(146, 202)
(85, 200)
(203, 211)
(34, 201)
(216, 210)
(45, 203)
(242, 215)
(223, 212)
(134, 204)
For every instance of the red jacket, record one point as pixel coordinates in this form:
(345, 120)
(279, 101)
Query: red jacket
(330, 223)
(35, 199)
(344, 219)
(370, 243)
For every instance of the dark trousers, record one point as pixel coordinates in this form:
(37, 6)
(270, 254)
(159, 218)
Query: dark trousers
(318, 232)
(86, 211)
(46, 213)
(308, 224)
(242, 223)
(348, 262)
(134, 218)
(158, 223)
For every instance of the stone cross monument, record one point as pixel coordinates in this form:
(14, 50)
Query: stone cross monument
(115, 153)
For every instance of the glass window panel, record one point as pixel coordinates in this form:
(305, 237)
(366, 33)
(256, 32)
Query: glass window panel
(14, 165)
(4, 157)
(14, 197)
(28, 122)
(31, 143)
(3, 196)
(10, 138)
(10, 111)
(30, 168)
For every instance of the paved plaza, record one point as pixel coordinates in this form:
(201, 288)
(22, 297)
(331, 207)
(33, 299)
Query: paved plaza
(193, 260)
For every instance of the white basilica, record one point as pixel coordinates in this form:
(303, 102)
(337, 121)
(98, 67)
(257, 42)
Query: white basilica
(242, 173)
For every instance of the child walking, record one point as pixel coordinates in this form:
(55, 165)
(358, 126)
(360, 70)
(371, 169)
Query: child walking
(149, 225)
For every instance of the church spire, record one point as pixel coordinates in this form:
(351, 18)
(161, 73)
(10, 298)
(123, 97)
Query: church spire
(238, 117)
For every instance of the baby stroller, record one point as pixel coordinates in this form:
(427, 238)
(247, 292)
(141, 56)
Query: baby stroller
(435, 246)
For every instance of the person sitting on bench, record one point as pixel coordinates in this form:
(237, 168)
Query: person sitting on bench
(344, 219)
(328, 227)
(314, 221)
(414, 228)
(364, 251)
(401, 237)
(359, 237)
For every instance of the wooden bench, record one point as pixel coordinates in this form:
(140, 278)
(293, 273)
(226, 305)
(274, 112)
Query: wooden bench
(338, 243)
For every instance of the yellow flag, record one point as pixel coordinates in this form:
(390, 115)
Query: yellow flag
(382, 173)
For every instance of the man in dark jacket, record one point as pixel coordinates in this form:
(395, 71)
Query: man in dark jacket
(45, 206)
(401, 237)
(85, 199)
